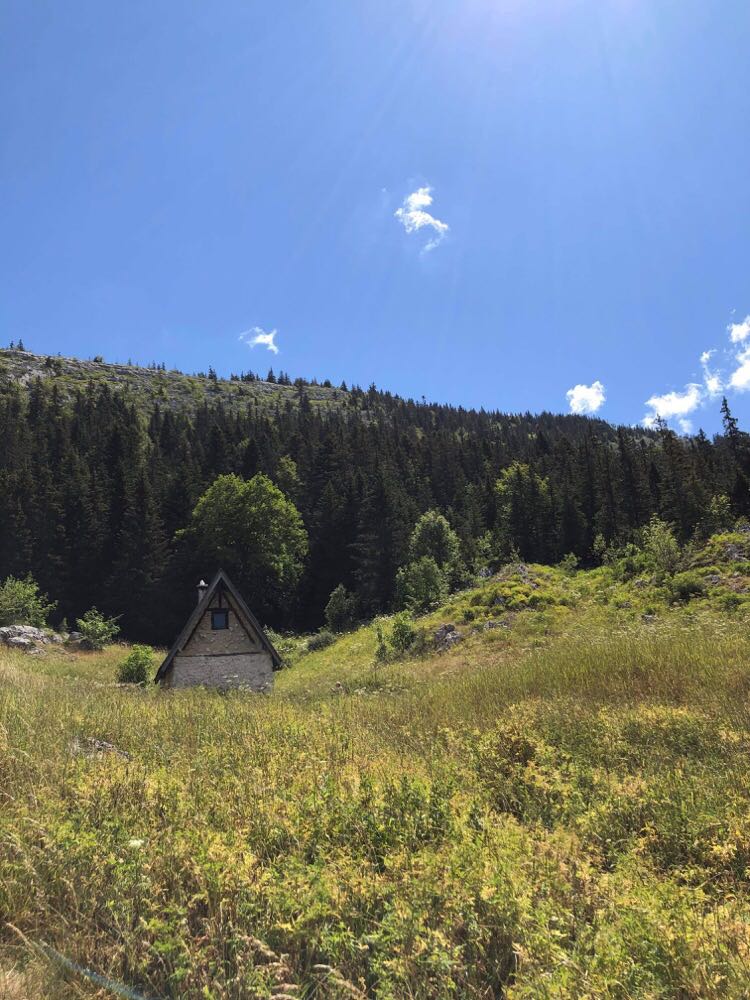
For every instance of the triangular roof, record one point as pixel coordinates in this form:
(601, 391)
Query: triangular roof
(221, 579)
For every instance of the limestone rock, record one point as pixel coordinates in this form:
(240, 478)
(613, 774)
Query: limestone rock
(20, 642)
(27, 637)
(447, 636)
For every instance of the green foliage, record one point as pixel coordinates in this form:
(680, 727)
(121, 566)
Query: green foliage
(252, 530)
(287, 478)
(434, 538)
(96, 629)
(569, 563)
(660, 547)
(684, 586)
(341, 609)
(289, 647)
(321, 640)
(600, 548)
(403, 634)
(381, 647)
(137, 667)
(523, 512)
(22, 604)
(421, 585)
(719, 516)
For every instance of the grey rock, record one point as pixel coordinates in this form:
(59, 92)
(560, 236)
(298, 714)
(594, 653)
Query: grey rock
(88, 746)
(27, 637)
(9, 632)
(447, 636)
(20, 642)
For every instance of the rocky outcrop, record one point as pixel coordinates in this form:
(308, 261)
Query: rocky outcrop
(27, 638)
(446, 637)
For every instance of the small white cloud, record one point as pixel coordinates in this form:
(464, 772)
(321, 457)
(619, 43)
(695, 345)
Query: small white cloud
(673, 404)
(739, 332)
(258, 337)
(586, 398)
(413, 216)
(740, 377)
(686, 426)
(711, 379)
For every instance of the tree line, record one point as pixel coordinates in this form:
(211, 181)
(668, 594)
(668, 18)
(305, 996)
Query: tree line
(103, 499)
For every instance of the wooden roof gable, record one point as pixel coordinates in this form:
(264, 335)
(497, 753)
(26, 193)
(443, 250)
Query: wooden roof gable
(250, 622)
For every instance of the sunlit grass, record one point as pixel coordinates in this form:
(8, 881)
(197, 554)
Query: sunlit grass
(554, 808)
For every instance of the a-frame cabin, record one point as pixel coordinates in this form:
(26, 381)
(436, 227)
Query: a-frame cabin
(222, 644)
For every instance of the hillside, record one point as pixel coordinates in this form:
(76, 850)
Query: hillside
(149, 386)
(102, 467)
(555, 806)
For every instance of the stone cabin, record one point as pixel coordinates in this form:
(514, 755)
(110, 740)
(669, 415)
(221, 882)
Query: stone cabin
(222, 644)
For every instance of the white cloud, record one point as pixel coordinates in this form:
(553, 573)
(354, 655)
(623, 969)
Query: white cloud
(740, 377)
(711, 379)
(586, 398)
(686, 426)
(413, 216)
(673, 404)
(739, 332)
(256, 336)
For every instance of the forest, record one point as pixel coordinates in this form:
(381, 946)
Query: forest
(122, 501)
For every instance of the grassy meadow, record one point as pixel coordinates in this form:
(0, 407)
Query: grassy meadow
(557, 807)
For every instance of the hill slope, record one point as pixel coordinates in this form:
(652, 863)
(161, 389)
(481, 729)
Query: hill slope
(102, 466)
(556, 806)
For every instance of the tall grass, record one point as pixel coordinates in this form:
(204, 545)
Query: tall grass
(504, 819)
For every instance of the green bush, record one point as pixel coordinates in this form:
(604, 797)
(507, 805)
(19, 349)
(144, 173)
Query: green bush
(569, 563)
(340, 612)
(287, 646)
(320, 640)
(136, 667)
(683, 586)
(661, 547)
(403, 634)
(421, 585)
(96, 629)
(22, 604)
(730, 602)
(381, 649)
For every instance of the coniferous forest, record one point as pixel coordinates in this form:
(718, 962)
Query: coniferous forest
(98, 485)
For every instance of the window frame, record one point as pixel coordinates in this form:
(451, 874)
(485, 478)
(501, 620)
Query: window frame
(214, 613)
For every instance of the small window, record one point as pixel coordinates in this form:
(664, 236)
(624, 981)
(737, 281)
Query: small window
(219, 619)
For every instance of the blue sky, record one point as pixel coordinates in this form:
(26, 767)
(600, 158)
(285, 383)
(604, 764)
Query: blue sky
(515, 204)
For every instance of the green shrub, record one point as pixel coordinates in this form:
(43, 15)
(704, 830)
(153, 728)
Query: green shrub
(718, 518)
(321, 640)
(569, 563)
(96, 629)
(730, 602)
(381, 649)
(403, 634)
(136, 667)
(340, 612)
(683, 586)
(661, 547)
(22, 604)
(421, 585)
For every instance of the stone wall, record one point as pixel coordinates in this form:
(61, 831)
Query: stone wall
(253, 671)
